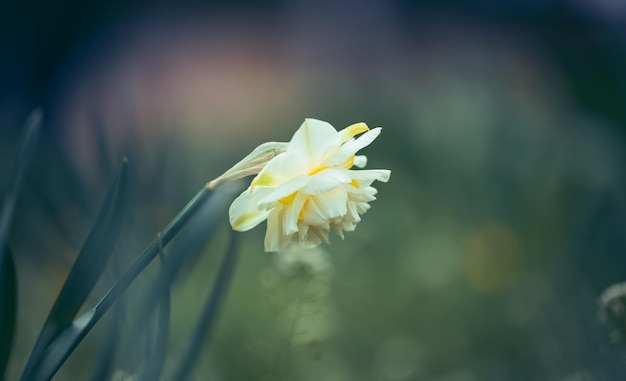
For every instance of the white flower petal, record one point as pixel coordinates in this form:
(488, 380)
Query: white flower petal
(304, 154)
(351, 147)
(328, 205)
(244, 213)
(281, 169)
(363, 140)
(316, 139)
(360, 161)
(352, 212)
(306, 238)
(326, 180)
(352, 131)
(363, 207)
(312, 214)
(366, 194)
(321, 231)
(272, 235)
(338, 229)
(291, 214)
(284, 190)
(367, 176)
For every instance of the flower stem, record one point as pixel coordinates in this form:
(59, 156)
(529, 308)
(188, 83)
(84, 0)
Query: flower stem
(59, 350)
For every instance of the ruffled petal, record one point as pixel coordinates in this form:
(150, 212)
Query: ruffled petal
(352, 213)
(367, 176)
(273, 232)
(327, 180)
(351, 147)
(312, 214)
(334, 203)
(365, 194)
(244, 213)
(284, 190)
(291, 214)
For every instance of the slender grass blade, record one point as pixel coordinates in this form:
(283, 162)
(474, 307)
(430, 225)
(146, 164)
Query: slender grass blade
(206, 322)
(8, 307)
(8, 276)
(184, 253)
(27, 143)
(65, 343)
(85, 272)
(107, 351)
(158, 337)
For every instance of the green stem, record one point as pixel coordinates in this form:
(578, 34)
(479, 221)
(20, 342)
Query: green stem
(73, 335)
(153, 249)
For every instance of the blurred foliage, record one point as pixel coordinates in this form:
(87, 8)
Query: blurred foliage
(484, 256)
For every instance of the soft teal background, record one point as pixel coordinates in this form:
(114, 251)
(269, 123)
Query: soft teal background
(482, 259)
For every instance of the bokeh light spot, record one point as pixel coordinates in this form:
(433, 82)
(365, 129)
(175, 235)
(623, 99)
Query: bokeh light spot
(493, 258)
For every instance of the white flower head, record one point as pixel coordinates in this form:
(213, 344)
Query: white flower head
(311, 187)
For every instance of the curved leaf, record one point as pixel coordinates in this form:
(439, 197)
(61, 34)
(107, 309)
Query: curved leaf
(27, 143)
(8, 306)
(60, 349)
(107, 351)
(156, 341)
(208, 317)
(8, 278)
(85, 272)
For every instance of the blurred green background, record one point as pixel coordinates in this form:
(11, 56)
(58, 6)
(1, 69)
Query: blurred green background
(482, 259)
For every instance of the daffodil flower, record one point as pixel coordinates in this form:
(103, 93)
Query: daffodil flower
(308, 186)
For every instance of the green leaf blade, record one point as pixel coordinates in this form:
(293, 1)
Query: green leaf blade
(210, 311)
(62, 346)
(26, 146)
(87, 269)
(8, 274)
(8, 307)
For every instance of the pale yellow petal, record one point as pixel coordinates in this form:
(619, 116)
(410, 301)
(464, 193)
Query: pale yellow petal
(284, 190)
(244, 213)
(272, 234)
(291, 214)
(350, 148)
(352, 131)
